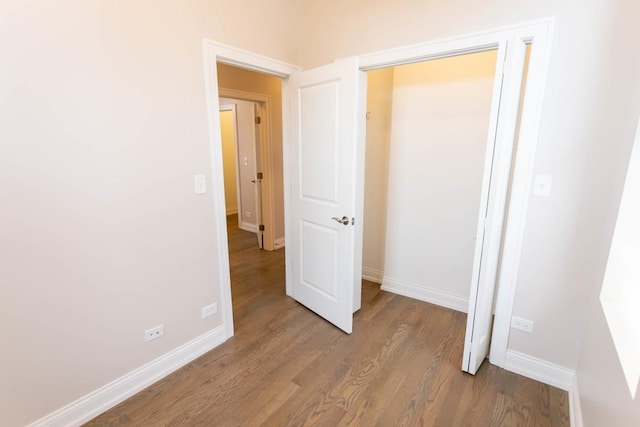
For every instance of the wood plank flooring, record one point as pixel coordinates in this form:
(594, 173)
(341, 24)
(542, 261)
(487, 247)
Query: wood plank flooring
(288, 367)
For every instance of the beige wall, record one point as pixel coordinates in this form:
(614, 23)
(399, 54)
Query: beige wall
(103, 124)
(562, 258)
(439, 128)
(248, 81)
(227, 131)
(379, 99)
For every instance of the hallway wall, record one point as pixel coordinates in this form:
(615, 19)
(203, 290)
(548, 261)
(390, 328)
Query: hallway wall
(379, 100)
(227, 131)
(245, 162)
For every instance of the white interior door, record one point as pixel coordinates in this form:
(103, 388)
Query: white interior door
(326, 163)
(505, 110)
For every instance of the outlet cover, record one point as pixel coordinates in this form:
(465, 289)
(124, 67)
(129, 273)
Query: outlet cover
(522, 324)
(153, 333)
(209, 310)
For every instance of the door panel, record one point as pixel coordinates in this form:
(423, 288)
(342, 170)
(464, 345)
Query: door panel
(490, 224)
(324, 157)
(319, 273)
(319, 153)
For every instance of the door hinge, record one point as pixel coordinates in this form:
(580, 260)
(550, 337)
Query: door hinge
(261, 227)
(258, 120)
(259, 175)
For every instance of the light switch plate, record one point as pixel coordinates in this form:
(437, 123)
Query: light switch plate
(542, 185)
(200, 182)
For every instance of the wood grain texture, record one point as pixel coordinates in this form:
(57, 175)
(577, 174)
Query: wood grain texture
(288, 367)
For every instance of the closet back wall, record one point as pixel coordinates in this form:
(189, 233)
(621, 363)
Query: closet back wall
(439, 123)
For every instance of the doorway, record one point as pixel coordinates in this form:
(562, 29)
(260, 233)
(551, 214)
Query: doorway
(242, 166)
(429, 147)
(427, 129)
(250, 114)
(538, 34)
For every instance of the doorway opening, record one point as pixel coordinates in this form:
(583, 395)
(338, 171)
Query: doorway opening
(250, 117)
(429, 152)
(240, 133)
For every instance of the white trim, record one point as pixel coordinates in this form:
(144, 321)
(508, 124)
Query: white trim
(372, 274)
(108, 396)
(279, 243)
(575, 408)
(247, 226)
(540, 370)
(249, 60)
(425, 294)
(523, 172)
(443, 48)
(232, 212)
(212, 53)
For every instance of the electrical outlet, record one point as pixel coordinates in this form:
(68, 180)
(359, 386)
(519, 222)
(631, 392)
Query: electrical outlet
(247, 214)
(522, 324)
(209, 310)
(153, 333)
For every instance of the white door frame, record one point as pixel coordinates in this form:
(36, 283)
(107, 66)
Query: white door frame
(538, 33)
(213, 53)
(268, 216)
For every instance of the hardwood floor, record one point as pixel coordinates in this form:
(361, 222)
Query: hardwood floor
(288, 367)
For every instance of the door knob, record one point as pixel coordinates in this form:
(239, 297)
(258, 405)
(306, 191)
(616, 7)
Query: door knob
(344, 220)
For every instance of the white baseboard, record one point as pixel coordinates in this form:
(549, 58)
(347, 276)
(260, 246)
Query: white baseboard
(278, 243)
(575, 409)
(422, 293)
(232, 211)
(540, 370)
(247, 226)
(108, 396)
(372, 275)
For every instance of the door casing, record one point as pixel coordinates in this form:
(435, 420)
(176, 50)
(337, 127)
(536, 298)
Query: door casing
(537, 33)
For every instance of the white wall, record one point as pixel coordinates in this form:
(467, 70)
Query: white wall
(228, 132)
(379, 98)
(563, 258)
(103, 123)
(604, 396)
(439, 128)
(246, 161)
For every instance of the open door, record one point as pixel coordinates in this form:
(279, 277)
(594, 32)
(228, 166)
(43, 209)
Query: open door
(326, 160)
(491, 219)
(257, 180)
